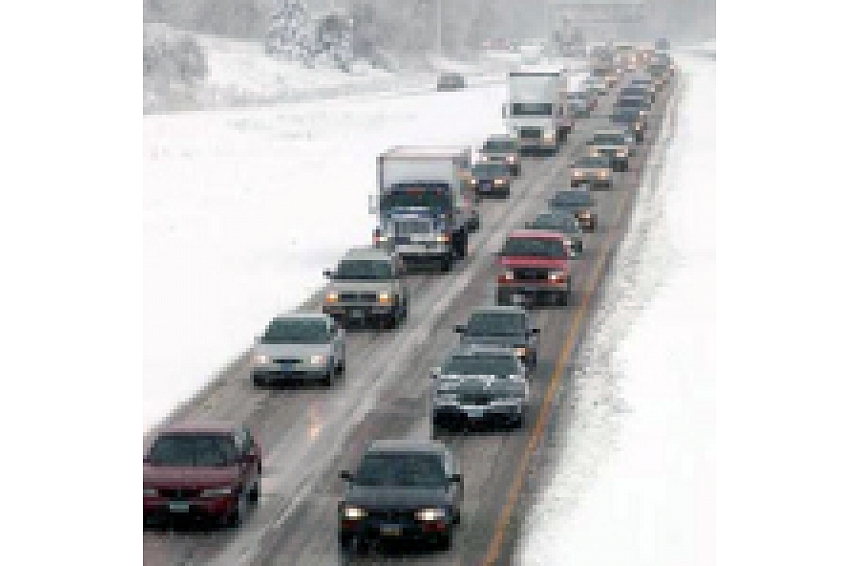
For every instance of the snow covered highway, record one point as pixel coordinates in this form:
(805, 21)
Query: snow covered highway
(310, 433)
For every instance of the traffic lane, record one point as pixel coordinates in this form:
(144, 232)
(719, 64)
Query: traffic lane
(313, 526)
(301, 412)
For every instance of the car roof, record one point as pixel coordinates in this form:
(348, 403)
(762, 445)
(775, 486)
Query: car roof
(500, 309)
(406, 445)
(479, 350)
(583, 197)
(368, 253)
(303, 316)
(533, 233)
(217, 427)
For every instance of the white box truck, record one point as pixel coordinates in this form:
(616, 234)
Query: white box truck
(536, 108)
(423, 204)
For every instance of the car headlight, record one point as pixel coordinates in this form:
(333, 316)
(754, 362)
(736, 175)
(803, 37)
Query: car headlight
(642, 112)
(498, 181)
(317, 360)
(621, 153)
(217, 492)
(507, 276)
(331, 297)
(578, 173)
(585, 213)
(261, 359)
(384, 297)
(473, 181)
(522, 352)
(603, 174)
(512, 159)
(443, 238)
(432, 514)
(595, 153)
(557, 276)
(150, 492)
(549, 136)
(354, 513)
(638, 126)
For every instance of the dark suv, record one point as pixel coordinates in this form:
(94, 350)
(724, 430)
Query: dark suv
(506, 326)
(201, 471)
(402, 490)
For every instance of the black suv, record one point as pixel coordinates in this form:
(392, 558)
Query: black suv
(402, 490)
(505, 326)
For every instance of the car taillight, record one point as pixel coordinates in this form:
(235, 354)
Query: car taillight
(506, 276)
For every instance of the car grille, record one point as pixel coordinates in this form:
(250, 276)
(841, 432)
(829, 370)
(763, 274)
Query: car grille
(475, 399)
(287, 360)
(530, 133)
(409, 227)
(357, 297)
(179, 493)
(531, 274)
(399, 515)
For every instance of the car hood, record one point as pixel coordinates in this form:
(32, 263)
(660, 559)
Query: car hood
(359, 285)
(510, 341)
(481, 384)
(391, 497)
(529, 261)
(292, 350)
(189, 476)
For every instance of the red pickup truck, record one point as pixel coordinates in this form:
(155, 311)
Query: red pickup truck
(534, 265)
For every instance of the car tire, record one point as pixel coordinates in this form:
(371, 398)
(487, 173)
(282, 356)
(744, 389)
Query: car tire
(258, 381)
(326, 380)
(562, 298)
(444, 540)
(235, 519)
(578, 247)
(254, 494)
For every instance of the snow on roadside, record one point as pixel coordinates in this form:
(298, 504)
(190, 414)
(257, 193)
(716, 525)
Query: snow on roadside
(634, 481)
(243, 209)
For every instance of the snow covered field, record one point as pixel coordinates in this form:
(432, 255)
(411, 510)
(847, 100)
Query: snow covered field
(636, 479)
(243, 209)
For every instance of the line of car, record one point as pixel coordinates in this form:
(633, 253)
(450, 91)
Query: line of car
(409, 489)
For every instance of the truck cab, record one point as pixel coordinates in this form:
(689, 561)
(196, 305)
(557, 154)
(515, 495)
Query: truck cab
(536, 110)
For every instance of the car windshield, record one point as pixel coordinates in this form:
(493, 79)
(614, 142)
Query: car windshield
(538, 247)
(631, 103)
(610, 139)
(405, 469)
(435, 198)
(296, 331)
(490, 170)
(193, 450)
(625, 115)
(592, 162)
(364, 269)
(571, 198)
(496, 324)
(531, 109)
(499, 145)
(481, 365)
(550, 222)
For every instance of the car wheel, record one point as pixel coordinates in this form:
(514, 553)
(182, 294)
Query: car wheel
(235, 518)
(444, 541)
(326, 380)
(446, 262)
(561, 300)
(254, 494)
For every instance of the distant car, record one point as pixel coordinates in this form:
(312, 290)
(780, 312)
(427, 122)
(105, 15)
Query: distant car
(451, 81)
(615, 143)
(596, 171)
(401, 490)
(480, 385)
(504, 149)
(641, 104)
(596, 84)
(506, 326)
(559, 221)
(201, 472)
(491, 178)
(579, 203)
(534, 265)
(661, 44)
(632, 120)
(367, 287)
(647, 92)
(579, 104)
(301, 346)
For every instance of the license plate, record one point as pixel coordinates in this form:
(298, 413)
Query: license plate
(517, 298)
(179, 507)
(390, 530)
(474, 412)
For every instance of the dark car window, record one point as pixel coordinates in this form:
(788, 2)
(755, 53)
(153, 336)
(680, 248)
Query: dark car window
(401, 469)
(481, 365)
(364, 269)
(193, 450)
(496, 324)
(490, 169)
(419, 196)
(610, 139)
(571, 198)
(592, 162)
(499, 145)
(296, 331)
(531, 109)
(549, 223)
(539, 247)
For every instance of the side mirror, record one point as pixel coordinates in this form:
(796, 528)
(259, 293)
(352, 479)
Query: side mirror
(504, 111)
(327, 273)
(345, 475)
(535, 330)
(435, 372)
(371, 204)
(456, 478)
(460, 328)
(146, 459)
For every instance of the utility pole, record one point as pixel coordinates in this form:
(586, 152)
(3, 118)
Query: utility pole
(439, 27)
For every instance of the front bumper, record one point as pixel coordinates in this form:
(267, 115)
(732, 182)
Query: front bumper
(393, 526)
(591, 178)
(359, 312)
(484, 188)
(528, 292)
(459, 416)
(194, 509)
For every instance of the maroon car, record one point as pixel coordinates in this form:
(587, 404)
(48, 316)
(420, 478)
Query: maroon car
(201, 471)
(534, 265)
